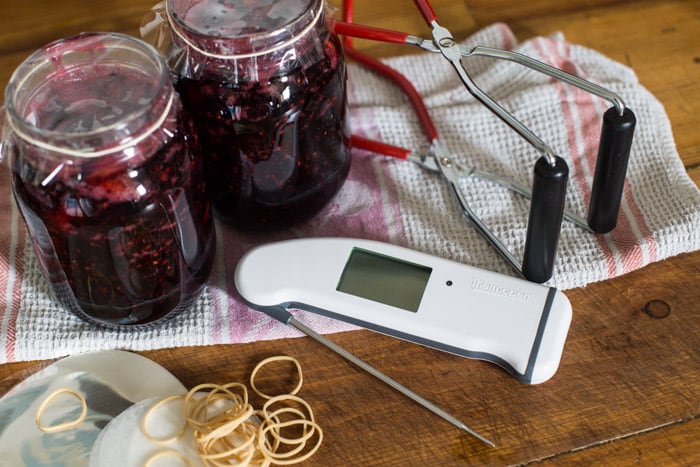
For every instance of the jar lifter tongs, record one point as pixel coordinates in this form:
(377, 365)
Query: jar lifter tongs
(551, 172)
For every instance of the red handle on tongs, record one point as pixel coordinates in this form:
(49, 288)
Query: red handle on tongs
(405, 85)
(377, 147)
(369, 32)
(426, 10)
(348, 29)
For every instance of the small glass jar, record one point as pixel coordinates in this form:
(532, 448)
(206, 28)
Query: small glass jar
(106, 177)
(266, 84)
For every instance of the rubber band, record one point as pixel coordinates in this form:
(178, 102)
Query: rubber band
(152, 409)
(227, 430)
(280, 358)
(288, 397)
(277, 434)
(228, 427)
(65, 425)
(176, 29)
(300, 443)
(196, 411)
(283, 458)
(168, 453)
(91, 153)
(230, 450)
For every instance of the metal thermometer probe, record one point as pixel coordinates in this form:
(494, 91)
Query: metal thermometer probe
(286, 317)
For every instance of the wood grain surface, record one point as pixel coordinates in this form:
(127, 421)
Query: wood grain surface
(628, 388)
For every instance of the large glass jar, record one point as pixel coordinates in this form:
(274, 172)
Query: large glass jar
(105, 176)
(266, 84)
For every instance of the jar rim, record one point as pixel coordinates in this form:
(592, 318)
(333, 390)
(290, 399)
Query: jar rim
(297, 27)
(35, 134)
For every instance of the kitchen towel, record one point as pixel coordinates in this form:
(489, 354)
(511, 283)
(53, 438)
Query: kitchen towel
(399, 202)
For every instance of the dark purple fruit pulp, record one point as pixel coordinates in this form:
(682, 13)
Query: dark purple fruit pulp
(120, 241)
(276, 150)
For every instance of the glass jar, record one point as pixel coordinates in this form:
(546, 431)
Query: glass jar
(106, 178)
(266, 84)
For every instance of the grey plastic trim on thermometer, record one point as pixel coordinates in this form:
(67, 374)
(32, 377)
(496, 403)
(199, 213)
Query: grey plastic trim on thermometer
(280, 313)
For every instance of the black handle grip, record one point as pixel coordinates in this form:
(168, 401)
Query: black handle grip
(610, 169)
(544, 224)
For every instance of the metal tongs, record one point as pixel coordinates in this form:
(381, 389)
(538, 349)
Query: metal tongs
(551, 172)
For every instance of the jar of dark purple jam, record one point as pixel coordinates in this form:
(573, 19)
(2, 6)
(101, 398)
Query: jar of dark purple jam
(105, 174)
(266, 84)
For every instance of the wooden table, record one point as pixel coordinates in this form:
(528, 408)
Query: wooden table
(628, 389)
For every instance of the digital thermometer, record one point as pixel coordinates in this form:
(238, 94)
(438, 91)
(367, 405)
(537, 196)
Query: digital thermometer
(518, 325)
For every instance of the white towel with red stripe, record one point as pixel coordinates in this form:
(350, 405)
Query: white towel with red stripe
(399, 202)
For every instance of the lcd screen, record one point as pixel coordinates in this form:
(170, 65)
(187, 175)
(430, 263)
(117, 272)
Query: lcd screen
(384, 279)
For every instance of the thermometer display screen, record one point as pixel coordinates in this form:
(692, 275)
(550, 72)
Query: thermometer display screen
(384, 279)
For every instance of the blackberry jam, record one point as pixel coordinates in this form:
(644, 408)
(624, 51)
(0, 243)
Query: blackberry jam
(266, 84)
(105, 173)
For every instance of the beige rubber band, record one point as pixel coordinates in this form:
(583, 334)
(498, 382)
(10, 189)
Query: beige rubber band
(280, 358)
(65, 425)
(89, 154)
(176, 29)
(286, 458)
(154, 407)
(167, 453)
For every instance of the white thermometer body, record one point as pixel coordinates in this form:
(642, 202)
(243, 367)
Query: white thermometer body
(518, 325)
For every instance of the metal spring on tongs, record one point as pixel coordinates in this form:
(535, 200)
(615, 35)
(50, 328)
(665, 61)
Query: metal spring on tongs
(551, 172)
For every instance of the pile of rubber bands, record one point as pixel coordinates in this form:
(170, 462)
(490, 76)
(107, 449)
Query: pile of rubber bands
(226, 429)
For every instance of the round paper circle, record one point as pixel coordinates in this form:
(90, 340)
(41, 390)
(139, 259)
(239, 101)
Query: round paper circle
(109, 381)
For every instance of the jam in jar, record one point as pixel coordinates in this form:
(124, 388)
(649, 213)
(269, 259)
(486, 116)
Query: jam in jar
(107, 178)
(265, 82)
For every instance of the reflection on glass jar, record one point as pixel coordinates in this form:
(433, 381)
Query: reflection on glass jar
(266, 84)
(105, 175)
